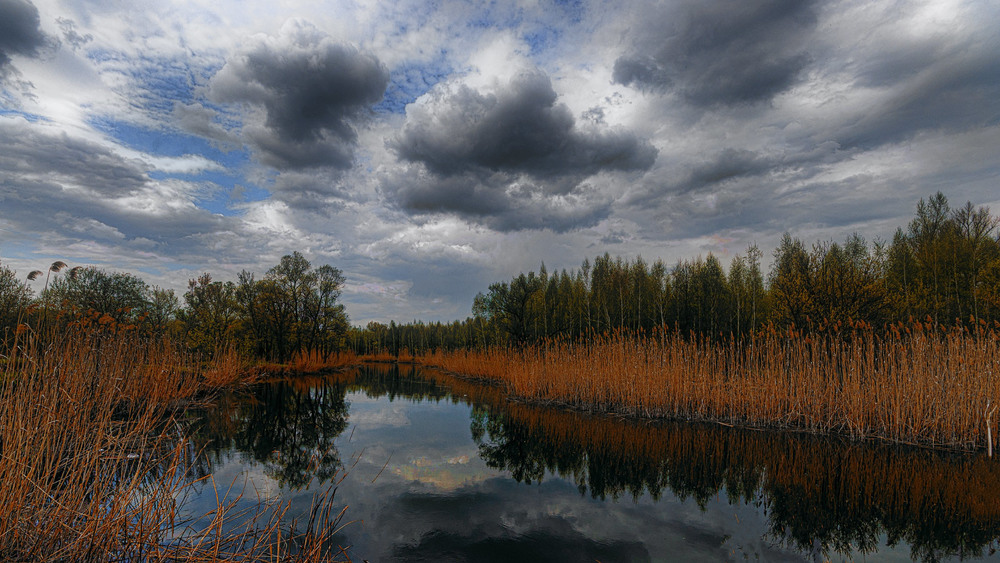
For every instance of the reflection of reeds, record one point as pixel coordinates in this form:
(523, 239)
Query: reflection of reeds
(844, 495)
(92, 463)
(911, 385)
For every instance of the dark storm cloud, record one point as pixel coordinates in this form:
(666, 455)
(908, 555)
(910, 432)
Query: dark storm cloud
(510, 159)
(19, 32)
(720, 53)
(313, 92)
(518, 128)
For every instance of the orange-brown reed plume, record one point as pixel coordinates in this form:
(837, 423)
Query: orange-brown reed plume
(93, 462)
(910, 384)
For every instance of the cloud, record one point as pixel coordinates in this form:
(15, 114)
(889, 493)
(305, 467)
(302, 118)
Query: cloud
(946, 83)
(519, 127)
(68, 191)
(317, 191)
(20, 34)
(511, 157)
(312, 91)
(204, 122)
(502, 202)
(719, 53)
(19, 30)
(29, 152)
(730, 164)
(71, 35)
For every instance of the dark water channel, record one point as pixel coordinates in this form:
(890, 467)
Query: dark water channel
(461, 474)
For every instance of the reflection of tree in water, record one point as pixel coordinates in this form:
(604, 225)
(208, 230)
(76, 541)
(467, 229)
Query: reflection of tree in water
(288, 429)
(819, 495)
(291, 426)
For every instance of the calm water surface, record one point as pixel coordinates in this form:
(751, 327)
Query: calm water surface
(442, 470)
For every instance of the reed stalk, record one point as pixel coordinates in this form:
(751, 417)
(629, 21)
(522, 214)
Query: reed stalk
(912, 384)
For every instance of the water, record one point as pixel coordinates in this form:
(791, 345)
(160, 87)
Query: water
(442, 470)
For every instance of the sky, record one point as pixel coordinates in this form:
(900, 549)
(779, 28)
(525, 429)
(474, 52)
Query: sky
(430, 148)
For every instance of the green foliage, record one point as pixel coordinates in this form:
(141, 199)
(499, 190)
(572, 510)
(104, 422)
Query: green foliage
(293, 309)
(945, 266)
(210, 315)
(112, 299)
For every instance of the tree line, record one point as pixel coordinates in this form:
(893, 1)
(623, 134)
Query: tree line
(293, 308)
(943, 268)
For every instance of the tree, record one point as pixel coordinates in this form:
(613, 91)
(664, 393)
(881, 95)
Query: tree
(161, 311)
(847, 283)
(293, 309)
(15, 296)
(118, 298)
(791, 283)
(210, 315)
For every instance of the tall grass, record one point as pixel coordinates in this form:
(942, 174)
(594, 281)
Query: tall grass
(308, 362)
(910, 384)
(94, 466)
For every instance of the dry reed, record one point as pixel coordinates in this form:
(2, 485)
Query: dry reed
(93, 465)
(913, 384)
(309, 362)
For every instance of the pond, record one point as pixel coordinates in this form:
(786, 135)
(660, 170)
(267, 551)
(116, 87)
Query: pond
(433, 468)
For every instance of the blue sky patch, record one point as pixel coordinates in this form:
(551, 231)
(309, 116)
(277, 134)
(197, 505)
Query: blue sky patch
(165, 143)
(410, 81)
(33, 118)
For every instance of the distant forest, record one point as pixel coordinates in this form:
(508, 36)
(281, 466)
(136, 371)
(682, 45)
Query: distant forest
(943, 269)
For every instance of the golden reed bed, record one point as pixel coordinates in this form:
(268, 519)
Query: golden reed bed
(95, 464)
(911, 384)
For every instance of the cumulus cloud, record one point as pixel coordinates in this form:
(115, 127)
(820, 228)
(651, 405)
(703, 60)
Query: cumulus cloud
(518, 128)
(19, 30)
(719, 53)
(501, 201)
(511, 157)
(312, 91)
